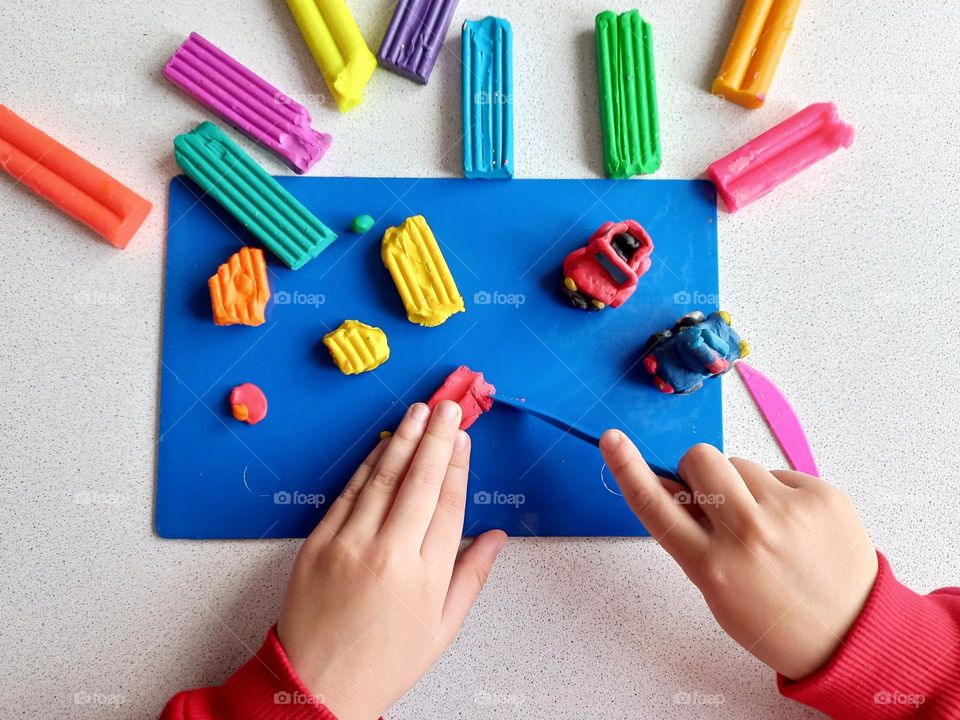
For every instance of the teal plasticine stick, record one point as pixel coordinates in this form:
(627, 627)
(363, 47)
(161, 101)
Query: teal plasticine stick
(231, 177)
(628, 95)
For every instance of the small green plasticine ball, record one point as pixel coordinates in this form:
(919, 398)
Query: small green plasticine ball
(361, 224)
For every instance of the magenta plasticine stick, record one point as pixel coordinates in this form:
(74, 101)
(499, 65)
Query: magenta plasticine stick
(774, 157)
(246, 101)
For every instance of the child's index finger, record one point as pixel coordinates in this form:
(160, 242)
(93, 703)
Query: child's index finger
(662, 515)
(417, 497)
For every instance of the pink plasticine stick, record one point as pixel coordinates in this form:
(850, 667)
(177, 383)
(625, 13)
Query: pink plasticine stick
(246, 101)
(781, 417)
(774, 157)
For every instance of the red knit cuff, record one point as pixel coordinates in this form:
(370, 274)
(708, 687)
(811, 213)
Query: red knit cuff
(265, 688)
(901, 658)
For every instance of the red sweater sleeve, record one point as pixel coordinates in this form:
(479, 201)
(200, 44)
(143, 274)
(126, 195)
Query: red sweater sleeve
(901, 658)
(265, 688)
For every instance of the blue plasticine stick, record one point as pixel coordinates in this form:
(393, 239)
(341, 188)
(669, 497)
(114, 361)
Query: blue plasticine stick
(488, 99)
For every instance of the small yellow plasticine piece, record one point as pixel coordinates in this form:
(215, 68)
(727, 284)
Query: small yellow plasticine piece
(356, 347)
(337, 46)
(411, 254)
(755, 49)
(239, 291)
(384, 434)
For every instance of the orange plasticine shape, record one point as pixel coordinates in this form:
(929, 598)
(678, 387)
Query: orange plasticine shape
(81, 190)
(239, 291)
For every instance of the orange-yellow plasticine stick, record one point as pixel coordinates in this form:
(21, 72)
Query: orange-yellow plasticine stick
(81, 190)
(755, 50)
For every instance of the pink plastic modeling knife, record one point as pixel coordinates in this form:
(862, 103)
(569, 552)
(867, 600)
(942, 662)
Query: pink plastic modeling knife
(781, 417)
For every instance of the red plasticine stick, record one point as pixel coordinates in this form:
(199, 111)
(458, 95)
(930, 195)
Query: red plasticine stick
(470, 390)
(81, 190)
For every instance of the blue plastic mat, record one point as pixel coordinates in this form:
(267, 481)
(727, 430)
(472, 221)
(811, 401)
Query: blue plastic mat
(504, 242)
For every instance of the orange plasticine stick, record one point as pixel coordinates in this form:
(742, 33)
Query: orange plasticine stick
(57, 174)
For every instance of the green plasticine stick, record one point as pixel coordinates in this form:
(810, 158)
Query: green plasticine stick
(628, 95)
(231, 177)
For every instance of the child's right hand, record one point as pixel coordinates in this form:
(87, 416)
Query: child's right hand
(781, 558)
(378, 590)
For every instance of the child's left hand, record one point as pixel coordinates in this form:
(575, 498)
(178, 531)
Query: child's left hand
(378, 592)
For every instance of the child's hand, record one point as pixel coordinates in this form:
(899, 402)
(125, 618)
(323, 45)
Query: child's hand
(781, 558)
(377, 592)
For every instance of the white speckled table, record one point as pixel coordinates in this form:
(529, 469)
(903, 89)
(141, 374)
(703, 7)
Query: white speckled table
(843, 281)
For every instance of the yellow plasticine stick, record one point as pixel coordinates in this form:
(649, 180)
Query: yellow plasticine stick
(411, 254)
(755, 49)
(337, 46)
(356, 347)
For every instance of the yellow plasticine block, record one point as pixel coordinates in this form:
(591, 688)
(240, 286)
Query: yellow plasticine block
(755, 49)
(337, 46)
(411, 254)
(239, 291)
(356, 347)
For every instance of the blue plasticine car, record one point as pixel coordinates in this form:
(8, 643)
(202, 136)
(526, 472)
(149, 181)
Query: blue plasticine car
(695, 349)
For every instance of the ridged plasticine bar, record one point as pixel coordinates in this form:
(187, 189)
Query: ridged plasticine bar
(256, 200)
(629, 115)
(415, 37)
(337, 46)
(488, 99)
(755, 49)
(60, 176)
(412, 256)
(246, 101)
(357, 347)
(752, 171)
(239, 291)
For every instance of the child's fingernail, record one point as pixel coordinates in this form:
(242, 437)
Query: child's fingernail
(461, 441)
(419, 411)
(611, 438)
(448, 410)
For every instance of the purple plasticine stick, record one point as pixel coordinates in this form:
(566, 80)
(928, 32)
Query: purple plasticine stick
(415, 36)
(246, 101)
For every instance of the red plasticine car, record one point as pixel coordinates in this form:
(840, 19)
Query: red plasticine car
(605, 272)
